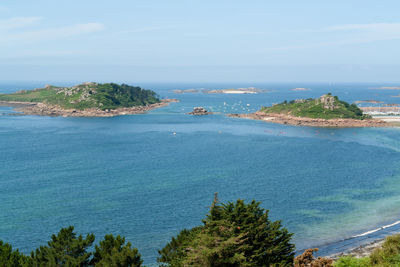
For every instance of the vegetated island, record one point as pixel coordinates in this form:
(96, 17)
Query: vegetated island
(325, 111)
(85, 100)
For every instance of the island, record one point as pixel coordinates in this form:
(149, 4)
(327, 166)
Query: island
(325, 111)
(199, 111)
(192, 91)
(84, 100)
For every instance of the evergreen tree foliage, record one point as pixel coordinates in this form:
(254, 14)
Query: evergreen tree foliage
(233, 234)
(113, 252)
(64, 249)
(10, 258)
(175, 251)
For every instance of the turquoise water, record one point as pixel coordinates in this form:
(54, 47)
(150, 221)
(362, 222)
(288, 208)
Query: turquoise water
(131, 175)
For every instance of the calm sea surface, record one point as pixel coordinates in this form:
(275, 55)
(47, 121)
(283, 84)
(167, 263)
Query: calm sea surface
(130, 175)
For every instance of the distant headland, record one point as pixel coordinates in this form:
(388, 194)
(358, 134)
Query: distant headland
(325, 111)
(84, 100)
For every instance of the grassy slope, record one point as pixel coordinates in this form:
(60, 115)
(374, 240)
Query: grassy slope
(103, 96)
(313, 108)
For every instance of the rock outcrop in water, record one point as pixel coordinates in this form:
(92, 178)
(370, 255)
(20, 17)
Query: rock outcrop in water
(199, 111)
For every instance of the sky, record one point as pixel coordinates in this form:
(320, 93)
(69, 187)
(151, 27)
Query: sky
(200, 40)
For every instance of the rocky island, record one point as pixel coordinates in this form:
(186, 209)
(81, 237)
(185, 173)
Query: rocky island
(84, 100)
(325, 111)
(199, 111)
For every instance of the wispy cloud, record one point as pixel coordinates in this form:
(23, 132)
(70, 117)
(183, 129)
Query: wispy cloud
(371, 27)
(4, 9)
(18, 22)
(27, 56)
(139, 30)
(50, 33)
(350, 34)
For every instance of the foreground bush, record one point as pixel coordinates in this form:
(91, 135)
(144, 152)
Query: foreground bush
(307, 259)
(114, 252)
(68, 249)
(233, 234)
(10, 258)
(386, 256)
(64, 249)
(348, 261)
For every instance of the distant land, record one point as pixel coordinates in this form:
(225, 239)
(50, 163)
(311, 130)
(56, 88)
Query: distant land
(248, 90)
(177, 91)
(386, 88)
(84, 100)
(325, 111)
(368, 101)
(301, 89)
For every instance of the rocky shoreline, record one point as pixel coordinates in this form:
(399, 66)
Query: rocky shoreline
(42, 109)
(360, 251)
(302, 121)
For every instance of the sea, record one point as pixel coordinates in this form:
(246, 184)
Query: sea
(147, 177)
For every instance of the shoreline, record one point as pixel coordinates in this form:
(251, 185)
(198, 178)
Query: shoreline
(312, 122)
(42, 109)
(359, 245)
(360, 251)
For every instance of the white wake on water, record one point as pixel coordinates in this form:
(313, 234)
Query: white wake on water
(377, 229)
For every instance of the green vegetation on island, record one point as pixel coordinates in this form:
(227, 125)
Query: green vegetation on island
(324, 107)
(87, 95)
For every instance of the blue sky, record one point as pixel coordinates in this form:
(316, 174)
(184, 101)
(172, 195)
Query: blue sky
(200, 40)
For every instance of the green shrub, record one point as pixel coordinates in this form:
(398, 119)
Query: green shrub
(388, 254)
(348, 261)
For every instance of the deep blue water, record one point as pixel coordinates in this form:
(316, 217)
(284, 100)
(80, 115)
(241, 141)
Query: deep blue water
(131, 175)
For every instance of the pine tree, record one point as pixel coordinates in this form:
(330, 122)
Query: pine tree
(64, 249)
(233, 234)
(10, 258)
(113, 252)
